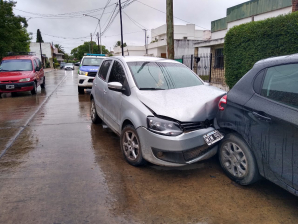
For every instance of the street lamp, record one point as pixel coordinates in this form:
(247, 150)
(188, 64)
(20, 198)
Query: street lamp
(99, 30)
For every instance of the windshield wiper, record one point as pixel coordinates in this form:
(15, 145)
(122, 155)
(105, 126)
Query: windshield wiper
(151, 89)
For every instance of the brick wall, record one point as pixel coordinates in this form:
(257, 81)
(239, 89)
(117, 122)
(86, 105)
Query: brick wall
(295, 5)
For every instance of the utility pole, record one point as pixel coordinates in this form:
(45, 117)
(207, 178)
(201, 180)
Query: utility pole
(91, 44)
(98, 41)
(121, 27)
(146, 41)
(40, 52)
(170, 29)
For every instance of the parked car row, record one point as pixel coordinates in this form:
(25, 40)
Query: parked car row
(165, 114)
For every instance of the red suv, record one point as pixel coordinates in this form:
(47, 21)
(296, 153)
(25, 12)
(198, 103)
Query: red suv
(21, 73)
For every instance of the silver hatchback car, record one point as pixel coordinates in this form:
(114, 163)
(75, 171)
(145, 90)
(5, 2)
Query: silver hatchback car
(162, 111)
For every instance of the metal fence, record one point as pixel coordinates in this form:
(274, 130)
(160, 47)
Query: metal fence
(210, 67)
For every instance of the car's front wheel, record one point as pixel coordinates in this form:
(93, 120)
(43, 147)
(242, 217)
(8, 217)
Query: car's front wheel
(94, 117)
(34, 90)
(131, 147)
(81, 90)
(237, 160)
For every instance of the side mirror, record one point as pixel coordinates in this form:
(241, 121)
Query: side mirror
(115, 86)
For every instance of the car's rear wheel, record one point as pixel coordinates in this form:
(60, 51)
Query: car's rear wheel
(237, 160)
(43, 85)
(81, 90)
(34, 90)
(94, 117)
(131, 147)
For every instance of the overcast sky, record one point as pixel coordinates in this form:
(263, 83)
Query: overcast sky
(69, 27)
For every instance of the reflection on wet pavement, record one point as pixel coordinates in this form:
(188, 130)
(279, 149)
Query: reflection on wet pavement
(63, 169)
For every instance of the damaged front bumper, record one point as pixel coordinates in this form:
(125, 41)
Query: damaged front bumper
(180, 150)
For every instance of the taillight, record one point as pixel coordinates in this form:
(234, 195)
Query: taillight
(222, 101)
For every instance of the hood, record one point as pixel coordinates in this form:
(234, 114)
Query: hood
(14, 75)
(89, 68)
(191, 104)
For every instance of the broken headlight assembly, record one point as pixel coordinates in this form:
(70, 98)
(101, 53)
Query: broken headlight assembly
(163, 127)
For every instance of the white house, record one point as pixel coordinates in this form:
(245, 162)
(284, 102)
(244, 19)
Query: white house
(184, 38)
(47, 51)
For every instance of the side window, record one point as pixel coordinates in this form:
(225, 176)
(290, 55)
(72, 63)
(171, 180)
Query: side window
(39, 63)
(104, 68)
(117, 73)
(280, 84)
(35, 64)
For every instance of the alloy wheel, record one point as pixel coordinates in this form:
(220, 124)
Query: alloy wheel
(234, 160)
(130, 145)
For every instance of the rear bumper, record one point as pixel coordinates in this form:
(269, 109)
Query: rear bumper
(18, 87)
(85, 81)
(181, 150)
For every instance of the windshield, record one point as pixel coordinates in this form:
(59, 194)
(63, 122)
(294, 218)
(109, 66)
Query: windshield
(69, 64)
(162, 75)
(92, 61)
(16, 65)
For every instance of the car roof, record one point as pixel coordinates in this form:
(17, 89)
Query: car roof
(278, 60)
(94, 57)
(19, 57)
(143, 58)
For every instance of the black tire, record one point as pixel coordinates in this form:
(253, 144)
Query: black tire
(94, 116)
(81, 90)
(43, 85)
(237, 160)
(34, 90)
(131, 147)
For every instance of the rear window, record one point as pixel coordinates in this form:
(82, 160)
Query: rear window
(16, 65)
(162, 75)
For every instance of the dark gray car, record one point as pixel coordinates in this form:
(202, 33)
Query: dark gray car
(260, 118)
(161, 109)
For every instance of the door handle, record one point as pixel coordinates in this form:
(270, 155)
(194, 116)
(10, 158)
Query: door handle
(261, 117)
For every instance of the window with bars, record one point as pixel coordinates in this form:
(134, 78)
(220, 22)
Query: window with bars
(219, 58)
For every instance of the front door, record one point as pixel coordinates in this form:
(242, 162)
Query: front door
(100, 87)
(114, 99)
(275, 110)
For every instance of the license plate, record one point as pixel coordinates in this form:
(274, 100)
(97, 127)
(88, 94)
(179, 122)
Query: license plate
(213, 137)
(9, 86)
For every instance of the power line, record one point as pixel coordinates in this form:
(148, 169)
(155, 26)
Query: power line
(166, 13)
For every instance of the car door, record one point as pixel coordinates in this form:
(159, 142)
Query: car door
(100, 87)
(114, 98)
(275, 110)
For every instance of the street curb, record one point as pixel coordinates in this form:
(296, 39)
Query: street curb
(13, 139)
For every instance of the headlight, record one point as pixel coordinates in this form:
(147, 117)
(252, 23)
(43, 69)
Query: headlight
(83, 73)
(24, 80)
(163, 127)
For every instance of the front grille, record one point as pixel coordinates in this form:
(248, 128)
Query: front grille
(12, 81)
(195, 153)
(92, 74)
(191, 126)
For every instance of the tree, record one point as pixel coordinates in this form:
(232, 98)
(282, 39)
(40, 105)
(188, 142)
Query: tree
(39, 37)
(59, 47)
(79, 51)
(13, 34)
(118, 44)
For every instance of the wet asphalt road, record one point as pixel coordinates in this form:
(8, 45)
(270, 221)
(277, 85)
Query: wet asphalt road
(63, 169)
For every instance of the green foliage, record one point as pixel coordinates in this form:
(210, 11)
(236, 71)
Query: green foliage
(79, 51)
(56, 65)
(39, 37)
(204, 77)
(118, 44)
(13, 34)
(248, 43)
(60, 48)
